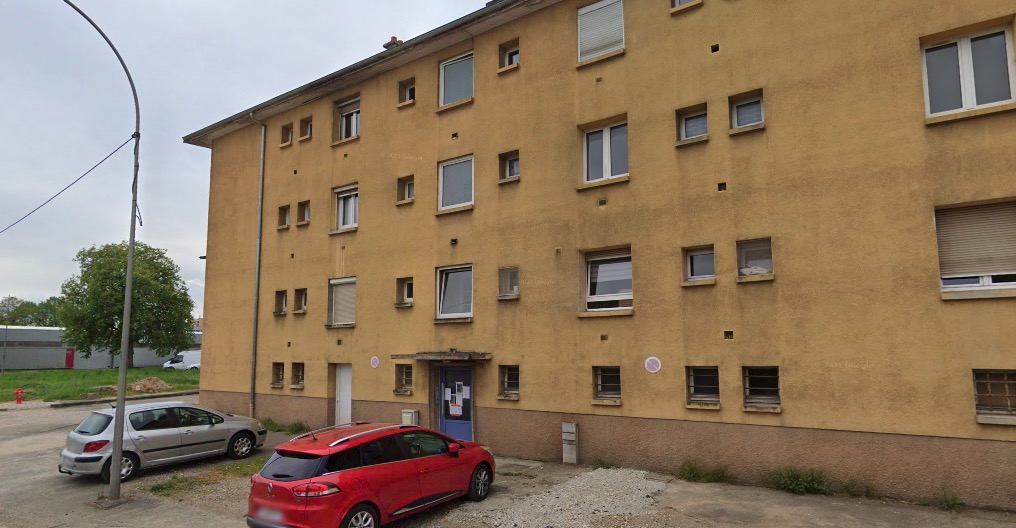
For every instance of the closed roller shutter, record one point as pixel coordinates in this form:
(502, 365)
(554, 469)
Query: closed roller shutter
(601, 29)
(343, 297)
(978, 240)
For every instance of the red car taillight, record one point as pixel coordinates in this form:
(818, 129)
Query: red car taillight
(92, 447)
(315, 489)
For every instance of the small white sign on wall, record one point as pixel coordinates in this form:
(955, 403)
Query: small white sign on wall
(375, 362)
(653, 364)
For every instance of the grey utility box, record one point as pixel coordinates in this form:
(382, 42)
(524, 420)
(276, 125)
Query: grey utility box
(570, 442)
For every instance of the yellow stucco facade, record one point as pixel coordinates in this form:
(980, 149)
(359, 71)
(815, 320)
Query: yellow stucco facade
(844, 179)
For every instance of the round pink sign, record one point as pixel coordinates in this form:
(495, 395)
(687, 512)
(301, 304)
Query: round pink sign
(375, 362)
(653, 364)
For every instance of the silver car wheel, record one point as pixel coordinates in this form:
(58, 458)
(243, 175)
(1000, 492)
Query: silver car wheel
(482, 482)
(362, 520)
(126, 468)
(242, 446)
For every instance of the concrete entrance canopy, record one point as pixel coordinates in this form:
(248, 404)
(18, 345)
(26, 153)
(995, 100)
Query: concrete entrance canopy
(452, 355)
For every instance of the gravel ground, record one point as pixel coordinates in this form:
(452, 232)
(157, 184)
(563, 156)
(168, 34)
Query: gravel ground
(28, 405)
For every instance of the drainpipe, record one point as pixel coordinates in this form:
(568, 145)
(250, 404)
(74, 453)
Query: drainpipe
(257, 270)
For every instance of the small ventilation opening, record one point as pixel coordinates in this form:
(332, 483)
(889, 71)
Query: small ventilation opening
(714, 48)
(728, 334)
(722, 186)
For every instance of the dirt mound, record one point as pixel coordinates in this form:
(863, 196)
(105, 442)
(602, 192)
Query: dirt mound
(149, 385)
(106, 388)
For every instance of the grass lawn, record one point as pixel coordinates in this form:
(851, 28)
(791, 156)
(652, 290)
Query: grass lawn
(67, 384)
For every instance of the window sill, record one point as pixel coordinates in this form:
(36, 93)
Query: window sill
(297, 386)
(453, 320)
(978, 294)
(967, 114)
(613, 402)
(304, 223)
(279, 314)
(698, 282)
(282, 227)
(403, 392)
(686, 7)
(622, 312)
(510, 179)
(300, 312)
(509, 68)
(604, 181)
(508, 297)
(756, 278)
(453, 210)
(508, 397)
(703, 406)
(340, 325)
(301, 139)
(407, 304)
(407, 201)
(691, 141)
(285, 145)
(601, 58)
(406, 104)
(763, 408)
(996, 419)
(344, 230)
(747, 129)
(276, 385)
(346, 141)
(456, 104)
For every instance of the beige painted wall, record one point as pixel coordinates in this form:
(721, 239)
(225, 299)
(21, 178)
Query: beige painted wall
(844, 179)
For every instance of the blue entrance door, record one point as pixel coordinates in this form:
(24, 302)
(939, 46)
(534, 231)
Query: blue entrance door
(456, 395)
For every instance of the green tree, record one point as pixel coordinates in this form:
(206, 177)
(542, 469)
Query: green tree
(9, 307)
(92, 307)
(18, 312)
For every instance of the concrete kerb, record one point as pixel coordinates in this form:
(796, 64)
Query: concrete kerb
(76, 403)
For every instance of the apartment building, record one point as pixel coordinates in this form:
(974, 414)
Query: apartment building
(740, 233)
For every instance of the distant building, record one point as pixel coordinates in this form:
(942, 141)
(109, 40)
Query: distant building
(38, 347)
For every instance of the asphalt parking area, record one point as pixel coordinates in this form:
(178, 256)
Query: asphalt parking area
(526, 494)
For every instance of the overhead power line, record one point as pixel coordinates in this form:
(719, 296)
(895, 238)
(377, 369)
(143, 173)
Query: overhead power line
(18, 221)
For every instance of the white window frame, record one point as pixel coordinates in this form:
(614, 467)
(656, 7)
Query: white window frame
(405, 92)
(440, 182)
(331, 314)
(440, 294)
(286, 208)
(409, 189)
(606, 153)
(968, 95)
(340, 193)
(305, 217)
(407, 283)
(740, 102)
(612, 297)
(355, 123)
(684, 117)
(441, 81)
(508, 53)
(689, 253)
(594, 7)
(984, 282)
(743, 246)
(507, 167)
(511, 294)
(285, 301)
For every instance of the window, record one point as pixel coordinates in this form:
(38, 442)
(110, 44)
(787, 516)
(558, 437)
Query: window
(601, 29)
(349, 119)
(511, 168)
(679, 3)
(703, 385)
(342, 302)
(455, 183)
(382, 451)
(404, 377)
(746, 111)
(508, 283)
(404, 291)
(297, 377)
(762, 385)
(301, 299)
(287, 134)
(406, 189)
(608, 280)
(189, 417)
(699, 263)
(455, 292)
(278, 374)
(280, 302)
(303, 213)
(457, 79)
(510, 53)
(995, 391)
(283, 217)
(606, 152)
(423, 444)
(344, 460)
(509, 380)
(975, 246)
(969, 72)
(153, 420)
(306, 125)
(407, 90)
(347, 208)
(754, 257)
(693, 124)
(607, 383)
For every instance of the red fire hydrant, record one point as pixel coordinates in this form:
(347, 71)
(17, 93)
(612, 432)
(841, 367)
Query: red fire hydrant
(19, 396)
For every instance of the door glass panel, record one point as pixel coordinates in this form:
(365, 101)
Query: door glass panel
(619, 150)
(152, 420)
(188, 417)
(457, 396)
(943, 64)
(424, 444)
(610, 276)
(991, 68)
(382, 451)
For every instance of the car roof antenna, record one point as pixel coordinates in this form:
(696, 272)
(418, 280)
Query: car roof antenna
(312, 436)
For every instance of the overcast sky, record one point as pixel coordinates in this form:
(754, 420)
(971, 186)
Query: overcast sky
(66, 104)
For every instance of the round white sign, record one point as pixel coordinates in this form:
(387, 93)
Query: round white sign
(653, 364)
(375, 362)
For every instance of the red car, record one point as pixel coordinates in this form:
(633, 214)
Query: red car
(365, 475)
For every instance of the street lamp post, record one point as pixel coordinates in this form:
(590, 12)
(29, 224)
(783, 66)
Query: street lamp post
(116, 460)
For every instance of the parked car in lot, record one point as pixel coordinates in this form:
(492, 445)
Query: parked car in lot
(364, 475)
(189, 360)
(157, 434)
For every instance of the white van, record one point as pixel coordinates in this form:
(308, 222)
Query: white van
(189, 360)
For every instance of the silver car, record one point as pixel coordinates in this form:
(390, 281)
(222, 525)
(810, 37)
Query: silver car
(157, 434)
